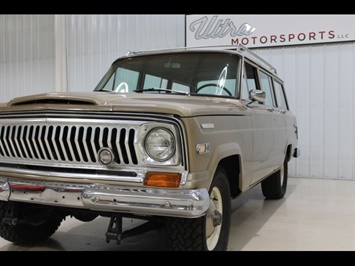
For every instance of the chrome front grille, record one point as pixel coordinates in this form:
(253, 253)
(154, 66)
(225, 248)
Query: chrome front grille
(66, 141)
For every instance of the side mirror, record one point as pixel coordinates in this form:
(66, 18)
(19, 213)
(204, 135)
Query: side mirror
(257, 95)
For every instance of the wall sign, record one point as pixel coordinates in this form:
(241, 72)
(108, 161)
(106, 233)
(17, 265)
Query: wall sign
(268, 30)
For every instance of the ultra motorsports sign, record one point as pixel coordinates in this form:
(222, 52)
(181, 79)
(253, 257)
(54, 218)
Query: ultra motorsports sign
(268, 30)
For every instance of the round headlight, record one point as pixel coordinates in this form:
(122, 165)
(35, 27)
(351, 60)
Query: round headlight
(160, 144)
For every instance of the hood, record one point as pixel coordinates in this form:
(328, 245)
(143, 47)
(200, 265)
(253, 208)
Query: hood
(181, 105)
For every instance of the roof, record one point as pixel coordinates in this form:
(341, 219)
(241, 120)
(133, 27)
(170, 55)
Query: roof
(241, 49)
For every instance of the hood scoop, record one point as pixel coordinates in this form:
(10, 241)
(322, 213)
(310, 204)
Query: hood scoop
(52, 99)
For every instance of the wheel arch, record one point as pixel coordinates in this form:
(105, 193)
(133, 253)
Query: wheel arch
(231, 165)
(228, 156)
(289, 152)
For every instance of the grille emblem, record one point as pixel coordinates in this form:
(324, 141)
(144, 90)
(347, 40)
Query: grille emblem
(105, 156)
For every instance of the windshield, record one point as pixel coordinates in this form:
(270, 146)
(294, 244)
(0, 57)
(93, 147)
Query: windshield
(207, 73)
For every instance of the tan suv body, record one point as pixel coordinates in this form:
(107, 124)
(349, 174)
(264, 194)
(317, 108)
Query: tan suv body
(168, 136)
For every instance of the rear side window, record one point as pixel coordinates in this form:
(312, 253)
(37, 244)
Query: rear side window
(280, 95)
(266, 85)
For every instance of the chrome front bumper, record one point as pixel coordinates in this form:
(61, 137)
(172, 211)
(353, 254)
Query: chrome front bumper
(100, 197)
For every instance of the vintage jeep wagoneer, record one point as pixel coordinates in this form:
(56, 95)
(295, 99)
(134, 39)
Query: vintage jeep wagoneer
(168, 136)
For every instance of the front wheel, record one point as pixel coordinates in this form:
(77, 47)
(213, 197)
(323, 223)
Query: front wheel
(209, 232)
(34, 224)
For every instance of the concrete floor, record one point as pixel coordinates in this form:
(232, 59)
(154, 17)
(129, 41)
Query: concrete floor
(315, 215)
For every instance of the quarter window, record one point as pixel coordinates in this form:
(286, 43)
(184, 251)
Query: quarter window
(280, 96)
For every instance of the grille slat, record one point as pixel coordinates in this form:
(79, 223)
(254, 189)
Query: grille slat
(11, 137)
(32, 151)
(68, 144)
(92, 144)
(37, 143)
(32, 142)
(62, 145)
(18, 151)
(47, 146)
(77, 147)
(54, 142)
(7, 140)
(127, 148)
(81, 146)
(117, 145)
(40, 140)
(70, 153)
(27, 146)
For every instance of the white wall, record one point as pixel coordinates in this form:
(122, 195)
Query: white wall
(95, 41)
(320, 83)
(36, 49)
(26, 55)
(33, 59)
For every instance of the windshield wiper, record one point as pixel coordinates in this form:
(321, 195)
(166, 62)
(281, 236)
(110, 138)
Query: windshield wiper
(165, 90)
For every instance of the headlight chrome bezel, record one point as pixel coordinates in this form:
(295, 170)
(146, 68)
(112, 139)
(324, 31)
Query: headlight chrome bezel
(168, 133)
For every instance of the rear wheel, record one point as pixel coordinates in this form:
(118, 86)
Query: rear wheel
(274, 187)
(25, 224)
(209, 232)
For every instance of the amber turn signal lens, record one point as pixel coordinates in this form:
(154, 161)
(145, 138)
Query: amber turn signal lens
(155, 179)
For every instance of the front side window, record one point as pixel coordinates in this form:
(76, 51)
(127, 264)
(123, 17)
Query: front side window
(249, 83)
